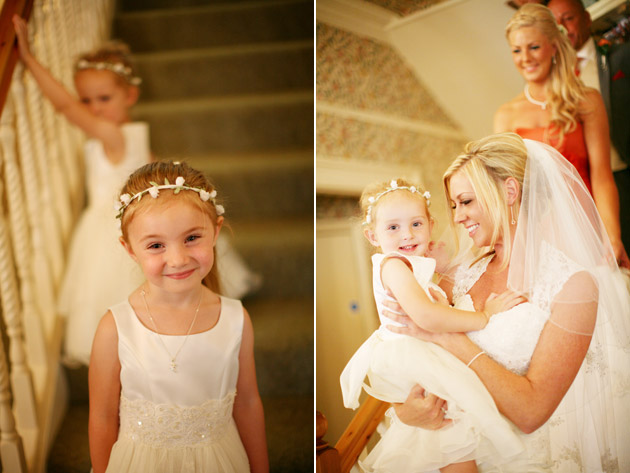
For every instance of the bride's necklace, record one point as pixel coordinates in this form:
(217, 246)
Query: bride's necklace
(172, 357)
(531, 99)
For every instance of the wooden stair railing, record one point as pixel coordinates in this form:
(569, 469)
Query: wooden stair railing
(38, 153)
(8, 51)
(353, 440)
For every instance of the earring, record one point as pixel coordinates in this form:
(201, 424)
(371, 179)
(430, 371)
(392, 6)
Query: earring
(513, 222)
(553, 60)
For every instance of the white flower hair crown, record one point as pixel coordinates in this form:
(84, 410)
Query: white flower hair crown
(154, 191)
(393, 186)
(117, 68)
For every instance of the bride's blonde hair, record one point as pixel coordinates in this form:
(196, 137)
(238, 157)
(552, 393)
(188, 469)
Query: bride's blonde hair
(487, 163)
(565, 91)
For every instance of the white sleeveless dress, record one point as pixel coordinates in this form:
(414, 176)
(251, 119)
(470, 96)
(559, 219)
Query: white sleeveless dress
(99, 271)
(394, 363)
(176, 422)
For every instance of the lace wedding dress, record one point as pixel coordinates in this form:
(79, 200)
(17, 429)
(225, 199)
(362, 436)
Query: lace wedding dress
(571, 440)
(178, 421)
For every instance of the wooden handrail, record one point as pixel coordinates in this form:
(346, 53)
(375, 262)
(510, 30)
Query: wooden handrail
(354, 438)
(8, 50)
(327, 456)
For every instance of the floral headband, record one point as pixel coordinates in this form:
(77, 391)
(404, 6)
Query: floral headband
(393, 186)
(117, 68)
(154, 191)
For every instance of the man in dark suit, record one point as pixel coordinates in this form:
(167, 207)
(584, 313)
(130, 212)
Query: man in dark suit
(606, 68)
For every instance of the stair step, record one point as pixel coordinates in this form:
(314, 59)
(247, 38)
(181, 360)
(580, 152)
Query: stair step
(259, 185)
(244, 69)
(70, 452)
(283, 334)
(289, 423)
(259, 122)
(279, 250)
(136, 5)
(216, 25)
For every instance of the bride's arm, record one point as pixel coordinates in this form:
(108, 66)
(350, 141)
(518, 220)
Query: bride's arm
(529, 400)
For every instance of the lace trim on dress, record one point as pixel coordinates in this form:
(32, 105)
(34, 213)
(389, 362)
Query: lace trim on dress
(466, 277)
(166, 425)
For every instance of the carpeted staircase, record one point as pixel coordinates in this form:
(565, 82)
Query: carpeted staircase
(228, 87)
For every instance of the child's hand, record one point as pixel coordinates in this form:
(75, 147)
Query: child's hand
(21, 31)
(437, 251)
(438, 297)
(502, 302)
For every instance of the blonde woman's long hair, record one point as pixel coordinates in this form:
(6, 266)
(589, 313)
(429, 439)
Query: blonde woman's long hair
(487, 163)
(565, 91)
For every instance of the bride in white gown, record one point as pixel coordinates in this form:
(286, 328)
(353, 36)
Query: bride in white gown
(558, 366)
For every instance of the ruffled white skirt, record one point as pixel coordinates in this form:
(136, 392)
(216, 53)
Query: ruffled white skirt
(99, 274)
(478, 432)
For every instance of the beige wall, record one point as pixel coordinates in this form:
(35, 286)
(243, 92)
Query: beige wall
(375, 120)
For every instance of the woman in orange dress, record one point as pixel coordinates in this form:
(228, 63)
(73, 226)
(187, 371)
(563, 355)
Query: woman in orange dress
(556, 108)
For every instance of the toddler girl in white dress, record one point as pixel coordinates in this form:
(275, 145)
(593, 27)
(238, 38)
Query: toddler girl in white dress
(398, 221)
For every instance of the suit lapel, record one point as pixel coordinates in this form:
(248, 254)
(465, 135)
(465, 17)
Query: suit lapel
(603, 70)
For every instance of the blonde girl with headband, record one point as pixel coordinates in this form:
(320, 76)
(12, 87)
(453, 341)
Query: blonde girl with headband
(556, 108)
(98, 272)
(398, 222)
(172, 377)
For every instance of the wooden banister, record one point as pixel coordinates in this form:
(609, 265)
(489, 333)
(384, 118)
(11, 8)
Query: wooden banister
(327, 456)
(353, 440)
(8, 49)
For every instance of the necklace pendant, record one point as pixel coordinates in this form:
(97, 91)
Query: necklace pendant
(173, 366)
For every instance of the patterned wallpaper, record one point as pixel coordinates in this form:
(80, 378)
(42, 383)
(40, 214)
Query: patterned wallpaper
(365, 77)
(405, 7)
(350, 138)
(368, 75)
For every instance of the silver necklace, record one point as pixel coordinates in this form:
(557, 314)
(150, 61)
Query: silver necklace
(173, 366)
(531, 99)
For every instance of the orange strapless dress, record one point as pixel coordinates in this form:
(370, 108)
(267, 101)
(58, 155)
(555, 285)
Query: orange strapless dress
(573, 148)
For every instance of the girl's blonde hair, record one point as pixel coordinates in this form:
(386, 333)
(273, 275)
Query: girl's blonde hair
(375, 193)
(157, 172)
(107, 56)
(564, 90)
(487, 163)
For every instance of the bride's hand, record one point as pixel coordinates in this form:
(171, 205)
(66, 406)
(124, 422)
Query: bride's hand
(420, 411)
(410, 328)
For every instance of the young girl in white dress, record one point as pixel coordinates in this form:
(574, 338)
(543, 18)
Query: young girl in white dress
(397, 220)
(98, 272)
(172, 377)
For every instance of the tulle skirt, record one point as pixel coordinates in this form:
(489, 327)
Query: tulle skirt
(478, 432)
(99, 274)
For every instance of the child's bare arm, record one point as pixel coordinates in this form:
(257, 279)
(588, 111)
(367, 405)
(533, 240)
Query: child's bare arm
(104, 388)
(248, 409)
(399, 279)
(63, 101)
